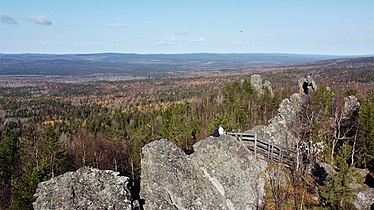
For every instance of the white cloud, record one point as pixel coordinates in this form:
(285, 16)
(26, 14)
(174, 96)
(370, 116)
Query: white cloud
(197, 40)
(165, 42)
(121, 40)
(181, 33)
(43, 44)
(117, 25)
(6, 19)
(39, 19)
(234, 42)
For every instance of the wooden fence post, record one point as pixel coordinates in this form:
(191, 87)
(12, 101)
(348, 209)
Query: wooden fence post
(255, 143)
(276, 154)
(271, 152)
(280, 155)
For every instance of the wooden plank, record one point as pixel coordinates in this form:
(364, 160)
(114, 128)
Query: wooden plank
(241, 134)
(251, 136)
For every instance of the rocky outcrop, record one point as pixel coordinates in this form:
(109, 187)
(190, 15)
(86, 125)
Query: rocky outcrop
(267, 85)
(351, 107)
(365, 199)
(86, 188)
(256, 82)
(221, 174)
(307, 85)
(279, 129)
(259, 85)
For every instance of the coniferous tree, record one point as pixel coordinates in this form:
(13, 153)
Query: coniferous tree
(31, 172)
(51, 151)
(337, 192)
(9, 162)
(365, 148)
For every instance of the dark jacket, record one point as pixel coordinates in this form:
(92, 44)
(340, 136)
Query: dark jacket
(215, 132)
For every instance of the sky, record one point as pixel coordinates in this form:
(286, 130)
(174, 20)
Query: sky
(335, 27)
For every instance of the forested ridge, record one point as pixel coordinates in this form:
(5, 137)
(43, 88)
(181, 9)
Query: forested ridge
(46, 136)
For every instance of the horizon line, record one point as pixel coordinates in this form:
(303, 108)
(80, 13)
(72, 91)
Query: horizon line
(185, 53)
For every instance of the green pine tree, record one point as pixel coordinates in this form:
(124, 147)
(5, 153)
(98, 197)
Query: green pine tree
(366, 133)
(51, 151)
(337, 192)
(9, 162)
(30, 171)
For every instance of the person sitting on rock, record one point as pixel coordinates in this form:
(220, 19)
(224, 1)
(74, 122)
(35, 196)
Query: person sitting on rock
(215, 132)
(221, 131)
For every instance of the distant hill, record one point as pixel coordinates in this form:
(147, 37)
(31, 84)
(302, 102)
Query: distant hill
(365, 62)
(84, 64)
(342, 71)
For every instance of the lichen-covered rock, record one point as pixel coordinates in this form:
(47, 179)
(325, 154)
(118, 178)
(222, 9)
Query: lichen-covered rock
(234, 167)
(86, 188)
(168, 178)
(365, 199)
(267, 85)
(221, 174)
(256, 83)
(279, 129)
(351, 107)
(259, 85)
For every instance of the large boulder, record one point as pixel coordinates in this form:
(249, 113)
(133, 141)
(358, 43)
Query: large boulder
(365, 199)
(351, 107)
(279, 129)
(259, 85)
(256, 83)
(221, 174)
(267, 85)
(86, 188)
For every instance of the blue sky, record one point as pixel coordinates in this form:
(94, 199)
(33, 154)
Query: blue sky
(343, 27)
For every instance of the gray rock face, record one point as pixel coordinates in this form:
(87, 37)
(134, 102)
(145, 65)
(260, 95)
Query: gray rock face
(307, 85)
(259, 85)
(267, 85)
(221, 174)
(351, 107)
(278, 131)
(256, 82)
(365, 199)
(86, 188)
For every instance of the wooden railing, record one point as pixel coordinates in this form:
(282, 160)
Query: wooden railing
(272, 152)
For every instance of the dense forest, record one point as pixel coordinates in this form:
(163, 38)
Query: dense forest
(140, 64)
(45, 136)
